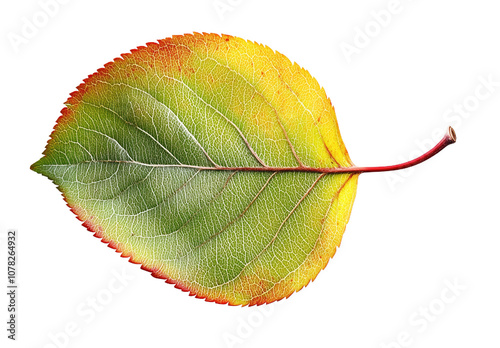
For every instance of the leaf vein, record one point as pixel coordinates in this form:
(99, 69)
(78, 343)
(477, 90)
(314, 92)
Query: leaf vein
(317, 240)
(285, 133)
(276, 234)
(231, 222)
(165, 199)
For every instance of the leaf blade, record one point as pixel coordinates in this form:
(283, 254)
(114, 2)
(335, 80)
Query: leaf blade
(158, 153)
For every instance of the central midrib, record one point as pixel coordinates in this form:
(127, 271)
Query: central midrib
(328, 170)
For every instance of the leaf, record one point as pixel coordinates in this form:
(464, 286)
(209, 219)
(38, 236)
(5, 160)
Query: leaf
(212, 161)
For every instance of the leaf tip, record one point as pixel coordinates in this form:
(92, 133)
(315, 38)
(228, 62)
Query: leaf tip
(36, 166)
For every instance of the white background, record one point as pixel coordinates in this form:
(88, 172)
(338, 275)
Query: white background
(409, 236)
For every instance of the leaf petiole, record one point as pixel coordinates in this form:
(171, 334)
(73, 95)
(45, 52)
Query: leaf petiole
(449, 138)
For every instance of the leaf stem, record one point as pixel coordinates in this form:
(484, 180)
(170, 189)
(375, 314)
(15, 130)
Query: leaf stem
(449, 138)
